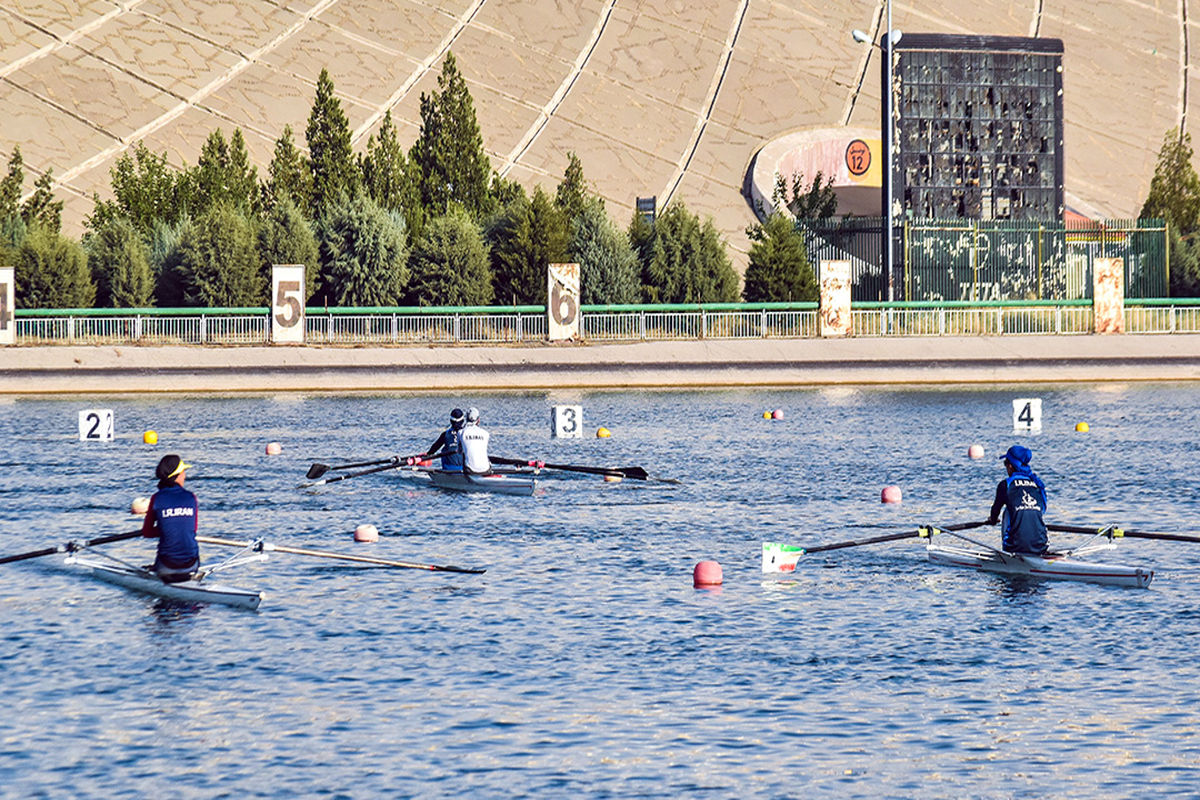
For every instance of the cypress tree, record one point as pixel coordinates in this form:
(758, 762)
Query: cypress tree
(363, 254)
(166, 261)
(571, 196)
(449, 264)
(531, 236)
(10, 185)
(779, 270)
(688, 263)
(385, 169)
(331, 161)
(285, 237)
(219, 259)
(608, 267)
(41, 208)
(120, 265)
(288, 174)
(52, 272)
(1175, 188)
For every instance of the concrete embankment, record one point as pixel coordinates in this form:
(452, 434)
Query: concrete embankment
(763, 362)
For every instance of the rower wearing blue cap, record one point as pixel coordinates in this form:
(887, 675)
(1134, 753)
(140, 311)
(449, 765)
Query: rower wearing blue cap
(1022, 498)
(450, 443)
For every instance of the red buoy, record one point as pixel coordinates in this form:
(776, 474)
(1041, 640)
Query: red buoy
(707, 573)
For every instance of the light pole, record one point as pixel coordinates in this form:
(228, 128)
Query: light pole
(889, 40)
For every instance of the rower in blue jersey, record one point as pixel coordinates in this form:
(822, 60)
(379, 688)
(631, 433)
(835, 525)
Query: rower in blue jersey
(1022, 499)
(173, 518)
(450, 443)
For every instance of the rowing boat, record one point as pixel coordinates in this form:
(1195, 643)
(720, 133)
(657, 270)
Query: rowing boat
(1055, 566)
(495, 483)
(198, 590)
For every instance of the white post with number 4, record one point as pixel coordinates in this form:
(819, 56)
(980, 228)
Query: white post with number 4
(8, 320)
(1027, 414)
(96, 425)
(566, 422)
(562, 302)
(287, 304)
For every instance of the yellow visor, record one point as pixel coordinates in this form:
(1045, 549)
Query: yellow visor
(182, 466)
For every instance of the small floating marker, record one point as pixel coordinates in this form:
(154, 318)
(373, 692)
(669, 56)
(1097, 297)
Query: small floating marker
(1082, 427)
(139, 505)
(890, 494)
(975, 451)
(777, 414)
(707, 573)
(766, 415)
(150, 437)
(603, 432)
(366, 533)
(274, 448)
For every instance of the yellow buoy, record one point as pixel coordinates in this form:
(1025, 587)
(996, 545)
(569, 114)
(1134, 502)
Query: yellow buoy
(150, 437)
(603, 433)
(1082, 427)
(767, 415)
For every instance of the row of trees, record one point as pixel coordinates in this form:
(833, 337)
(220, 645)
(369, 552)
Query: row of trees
(431, 226)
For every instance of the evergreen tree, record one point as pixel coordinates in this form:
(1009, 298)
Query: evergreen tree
(120, 266)
(449, 264)
(166, 261)
(688, 263)
(385, 170)
(779, 270)
(450, 164)
(288, 175)
(41, 208)
(641, 238)
(219, 259)
(146, 190)
(609, 272)
(1185, 265)
(572, 194)
(364, 259)
(331, 161)
(224, 175)
(52, 272)
(285, 237)
(1175, 188)
(817, 201)
(10, 185)
(531, 236)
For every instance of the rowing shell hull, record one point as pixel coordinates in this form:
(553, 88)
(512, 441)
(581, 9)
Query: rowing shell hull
(1061, 569)
(495, 484)
(188, 591)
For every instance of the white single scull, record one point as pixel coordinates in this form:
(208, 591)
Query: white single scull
(493, 483)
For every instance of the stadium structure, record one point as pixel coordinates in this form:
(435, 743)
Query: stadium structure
(700, 101)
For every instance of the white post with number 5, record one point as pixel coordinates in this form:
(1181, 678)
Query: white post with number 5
(96, 425)
(1027, 414)
(287, 304)
(8, 320)
(562, 302)
(566, 422)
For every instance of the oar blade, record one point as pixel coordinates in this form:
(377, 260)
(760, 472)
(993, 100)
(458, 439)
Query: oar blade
(316, 471)
(637, 473)
(777, 557)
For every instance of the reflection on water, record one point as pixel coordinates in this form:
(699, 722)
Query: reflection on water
(584, 662)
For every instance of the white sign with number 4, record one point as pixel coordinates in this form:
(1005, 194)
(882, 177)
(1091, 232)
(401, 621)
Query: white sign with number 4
(1027, 414)
(96, 425)
(287, 303)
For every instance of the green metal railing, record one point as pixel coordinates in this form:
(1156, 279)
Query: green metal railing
(491, 325)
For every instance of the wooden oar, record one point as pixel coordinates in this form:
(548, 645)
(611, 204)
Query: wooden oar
(1119, 532)
(300, 551)
(68, 546)
(778, 557)
(317, 470)
(619, 472)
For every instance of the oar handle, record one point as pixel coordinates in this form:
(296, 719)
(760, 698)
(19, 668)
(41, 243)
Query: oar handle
(1120, 532)
(66, 546)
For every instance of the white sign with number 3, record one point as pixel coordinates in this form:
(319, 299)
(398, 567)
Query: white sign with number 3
(287, 303)
(566, 422)
(96, 425)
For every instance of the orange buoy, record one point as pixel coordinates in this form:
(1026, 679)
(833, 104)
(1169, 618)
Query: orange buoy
(707, 573)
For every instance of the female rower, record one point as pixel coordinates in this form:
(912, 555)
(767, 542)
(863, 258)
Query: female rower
(173, 518)
(1022, 498)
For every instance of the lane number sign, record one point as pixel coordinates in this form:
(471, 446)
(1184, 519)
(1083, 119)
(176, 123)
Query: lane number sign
(287, 303)
(96, 425)
(8, 324)
(566, 422)
(1027, 414)
(562, 294)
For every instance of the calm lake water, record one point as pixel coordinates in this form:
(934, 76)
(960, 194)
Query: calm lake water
(584, 663)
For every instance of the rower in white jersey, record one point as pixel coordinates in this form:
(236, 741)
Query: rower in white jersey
(475, 445)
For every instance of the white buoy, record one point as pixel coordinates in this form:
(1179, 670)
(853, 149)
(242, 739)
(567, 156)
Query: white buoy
(975, 451)
(366, 533)
(139, 506)
(274, 448)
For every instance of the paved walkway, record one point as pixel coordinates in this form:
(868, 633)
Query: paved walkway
(763, 362)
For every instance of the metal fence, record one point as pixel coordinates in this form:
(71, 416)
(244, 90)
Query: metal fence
(992, 260)
(598, 323)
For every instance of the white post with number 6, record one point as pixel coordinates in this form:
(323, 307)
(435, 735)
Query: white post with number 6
(562, 302)
(1027, 414)
(566, 422)
(287, 304)
(8, 320)
(96, 425)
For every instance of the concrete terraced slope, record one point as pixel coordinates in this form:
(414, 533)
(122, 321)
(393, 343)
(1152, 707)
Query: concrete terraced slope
(667, 98)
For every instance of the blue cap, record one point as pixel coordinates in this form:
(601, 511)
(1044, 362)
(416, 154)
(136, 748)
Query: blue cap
(456, 415)
(1018, 456)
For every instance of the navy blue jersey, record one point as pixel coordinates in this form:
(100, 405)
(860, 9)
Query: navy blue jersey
(1023, 500)
(173, 517)
(450, 442)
